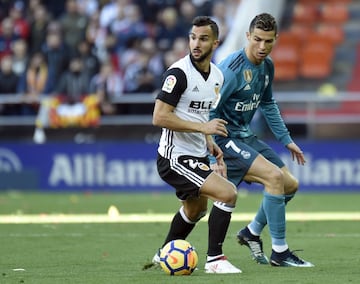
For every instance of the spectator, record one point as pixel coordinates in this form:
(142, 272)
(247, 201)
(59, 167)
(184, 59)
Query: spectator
(97, 36)
(168, 29)
(74, 82)
(73, 25)
(220, 14)
(138, 78)
(34, 83)
(187, 12)
(8, 86)
(87, 7)
(31, 8)
(156, 59)
(111, 11)
(56, 53)
(89, 60)
(128, 26)
(38, 28)
(107, 85)
(20, 56)
(7, 36)
(21, 25)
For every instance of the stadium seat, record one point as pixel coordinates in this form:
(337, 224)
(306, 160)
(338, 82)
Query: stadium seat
(331, 31)
(306, 13)
(286, 71)
(301, 31)
(316, 60)
(334, 13)
(318, 40)
(285, 57)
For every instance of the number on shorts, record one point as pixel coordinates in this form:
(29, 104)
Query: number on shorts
(233, 146)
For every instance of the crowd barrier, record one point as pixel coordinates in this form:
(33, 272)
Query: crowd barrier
(131, 166)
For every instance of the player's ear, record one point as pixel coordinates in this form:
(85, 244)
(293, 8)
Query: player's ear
(248, 35)
(216, 43)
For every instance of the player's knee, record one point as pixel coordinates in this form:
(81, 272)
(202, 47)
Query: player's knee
(274, 181)
(292, 186)
(231, 195)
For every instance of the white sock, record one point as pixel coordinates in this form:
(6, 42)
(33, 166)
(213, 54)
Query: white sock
(210, 258)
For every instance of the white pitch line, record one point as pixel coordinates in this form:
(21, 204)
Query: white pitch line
(148, 218)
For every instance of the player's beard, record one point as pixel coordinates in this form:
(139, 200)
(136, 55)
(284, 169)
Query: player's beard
(202, 57)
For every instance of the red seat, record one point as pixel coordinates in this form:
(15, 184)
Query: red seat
(316, 60)
(285, 57)
(306, 13)
(334, 13)
(333, 32)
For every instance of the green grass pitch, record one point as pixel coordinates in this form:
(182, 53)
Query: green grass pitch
(115, 252)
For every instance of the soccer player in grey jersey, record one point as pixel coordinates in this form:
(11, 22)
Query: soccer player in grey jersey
(189, 89)
(248, 76)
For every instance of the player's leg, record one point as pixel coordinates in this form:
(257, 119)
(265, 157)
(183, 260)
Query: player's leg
(273, 206)
(256, 226)
(224, 195)
(290, 187)
(183, 222)
(239, 157)
(193, 209)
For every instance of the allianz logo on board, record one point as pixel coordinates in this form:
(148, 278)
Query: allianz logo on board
(96, 170)
(9, 161)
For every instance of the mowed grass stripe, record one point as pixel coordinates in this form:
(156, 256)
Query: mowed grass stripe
(148, 218)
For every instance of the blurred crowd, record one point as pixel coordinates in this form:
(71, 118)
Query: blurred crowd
(74, 48)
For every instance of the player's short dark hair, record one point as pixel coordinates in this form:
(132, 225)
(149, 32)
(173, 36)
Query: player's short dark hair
(201, 21)
(265, 22)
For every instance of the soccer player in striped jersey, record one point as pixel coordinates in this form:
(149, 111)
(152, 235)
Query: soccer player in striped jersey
(189, 89)
(248, 76)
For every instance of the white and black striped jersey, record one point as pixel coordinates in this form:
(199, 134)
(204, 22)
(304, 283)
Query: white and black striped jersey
(192, 93)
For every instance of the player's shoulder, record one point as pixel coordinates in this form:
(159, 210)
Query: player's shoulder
(216, 69)
(234, 62)
(183, 63)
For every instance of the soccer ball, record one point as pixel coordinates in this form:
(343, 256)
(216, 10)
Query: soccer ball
(178, 257)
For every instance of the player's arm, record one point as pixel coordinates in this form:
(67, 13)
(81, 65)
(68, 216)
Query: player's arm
(164, 116)
(173, 86)
(217, 163)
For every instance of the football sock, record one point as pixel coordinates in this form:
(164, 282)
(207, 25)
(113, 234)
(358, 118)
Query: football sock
(218, 223)
(259, 222)
(212, 258)
(179, 227)
(274, 208)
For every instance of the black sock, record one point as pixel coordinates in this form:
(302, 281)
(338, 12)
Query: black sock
(179, 229)
(218, 222)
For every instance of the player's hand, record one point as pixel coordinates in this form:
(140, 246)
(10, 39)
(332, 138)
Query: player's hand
(219, 167)
(296, 153)
(215, 126)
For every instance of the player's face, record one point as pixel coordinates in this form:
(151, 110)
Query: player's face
(260, 45)
(202, 43)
